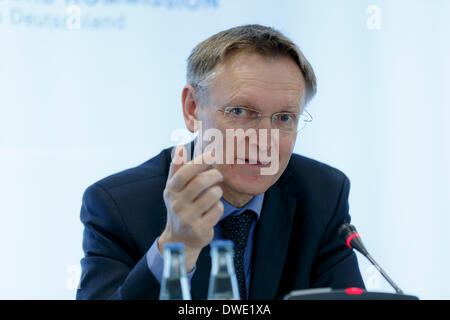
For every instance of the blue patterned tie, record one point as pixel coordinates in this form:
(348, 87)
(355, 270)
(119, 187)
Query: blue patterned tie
(236, 228)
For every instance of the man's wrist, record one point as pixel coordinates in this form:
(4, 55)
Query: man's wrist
(155, 262)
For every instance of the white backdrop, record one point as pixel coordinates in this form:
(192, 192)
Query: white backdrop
(91, 87)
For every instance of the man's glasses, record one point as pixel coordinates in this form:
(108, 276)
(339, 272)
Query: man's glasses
(243, 117)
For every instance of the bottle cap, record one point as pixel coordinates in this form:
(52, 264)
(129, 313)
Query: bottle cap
(174, 246)
(222, 244)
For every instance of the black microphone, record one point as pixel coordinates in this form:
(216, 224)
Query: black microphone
(348, 233)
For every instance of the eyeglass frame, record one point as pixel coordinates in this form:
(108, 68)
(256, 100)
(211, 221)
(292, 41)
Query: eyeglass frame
(308, 116)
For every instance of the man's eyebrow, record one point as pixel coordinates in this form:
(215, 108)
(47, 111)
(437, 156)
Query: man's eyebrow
(241, 101)
(245, 102)
(292, 108)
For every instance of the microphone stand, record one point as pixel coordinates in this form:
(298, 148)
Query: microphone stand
(349, 234)
(392, 283)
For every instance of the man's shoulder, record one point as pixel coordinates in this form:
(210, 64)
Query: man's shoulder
(306, 174)
(152, 170)
(303, 165)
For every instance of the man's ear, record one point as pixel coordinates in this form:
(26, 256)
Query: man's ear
(189, 99)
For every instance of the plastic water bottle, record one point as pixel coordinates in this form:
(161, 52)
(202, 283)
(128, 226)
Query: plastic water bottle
(222, 283)
(174, 284)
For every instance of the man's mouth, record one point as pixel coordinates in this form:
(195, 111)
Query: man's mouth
(253, 162)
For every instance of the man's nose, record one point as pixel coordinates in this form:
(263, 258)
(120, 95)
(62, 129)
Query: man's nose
(265, 123)
(264, 134)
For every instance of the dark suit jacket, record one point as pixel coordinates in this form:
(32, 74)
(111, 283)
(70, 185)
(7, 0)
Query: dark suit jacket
(296, 244)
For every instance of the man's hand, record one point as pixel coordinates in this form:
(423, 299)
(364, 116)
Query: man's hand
(193, 205)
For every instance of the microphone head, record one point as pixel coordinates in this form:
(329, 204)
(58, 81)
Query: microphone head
(347, 232)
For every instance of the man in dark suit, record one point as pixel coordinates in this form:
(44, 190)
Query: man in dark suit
(282, 211)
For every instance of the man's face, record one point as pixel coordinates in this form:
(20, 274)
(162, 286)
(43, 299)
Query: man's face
(268, 85)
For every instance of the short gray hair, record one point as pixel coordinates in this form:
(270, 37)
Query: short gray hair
(267, 41)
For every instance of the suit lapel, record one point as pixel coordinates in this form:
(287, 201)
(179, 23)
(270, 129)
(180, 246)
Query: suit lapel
(271, 241)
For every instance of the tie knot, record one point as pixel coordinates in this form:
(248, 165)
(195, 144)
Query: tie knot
(236, 228)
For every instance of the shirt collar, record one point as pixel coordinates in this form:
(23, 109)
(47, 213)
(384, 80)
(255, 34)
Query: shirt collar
(255, 205)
